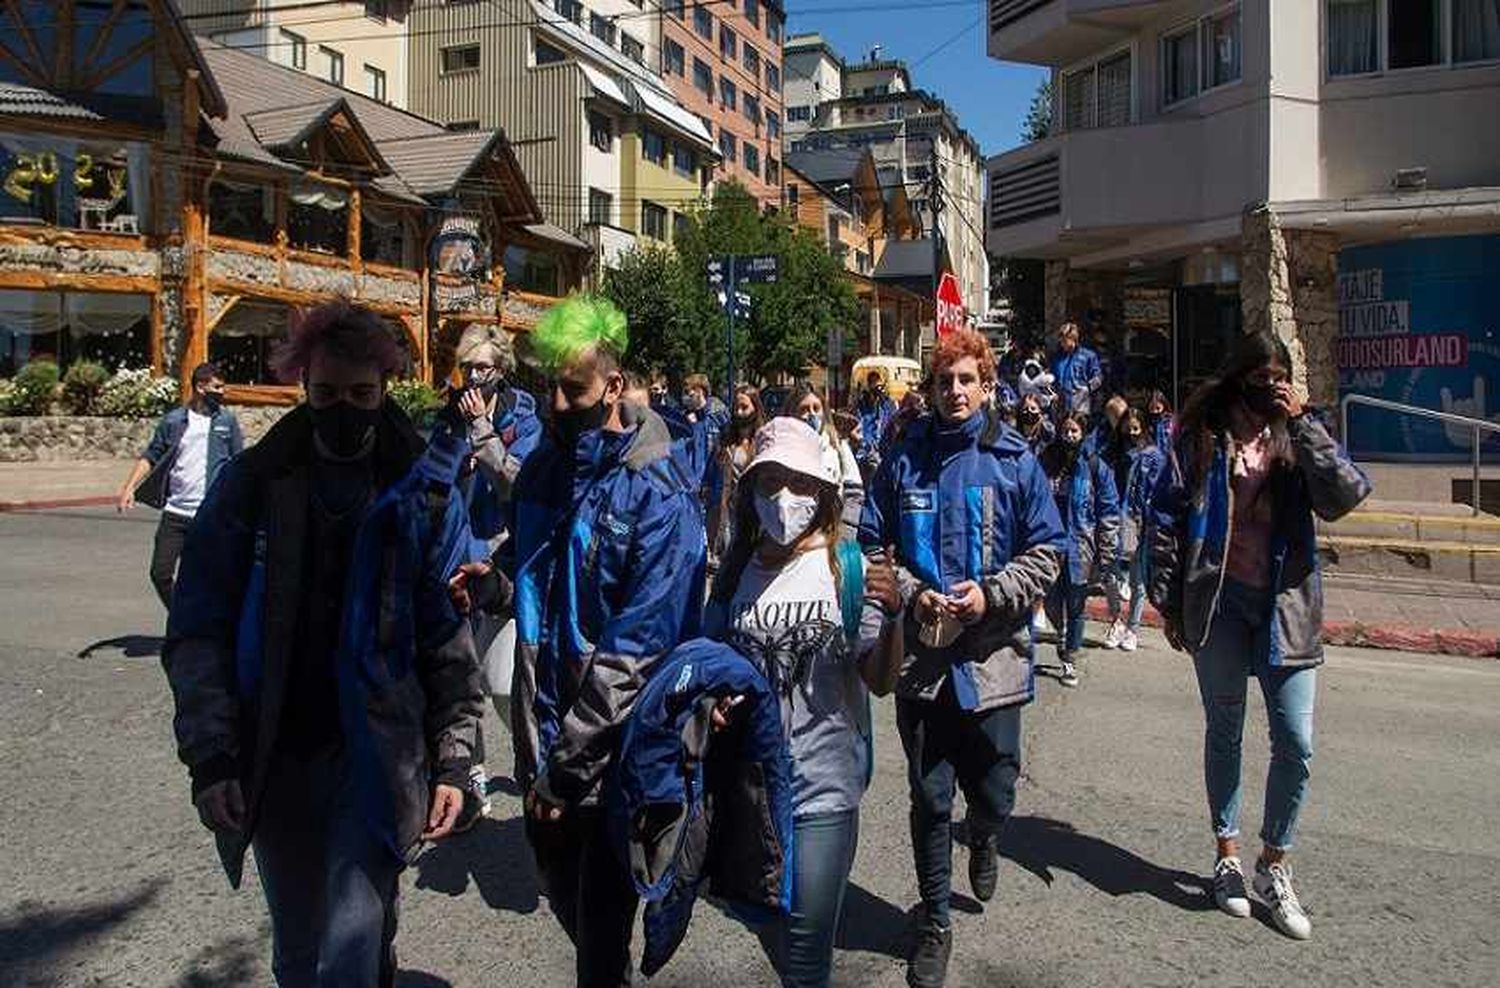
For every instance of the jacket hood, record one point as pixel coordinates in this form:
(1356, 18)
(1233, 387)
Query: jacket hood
(994, 434)
(652, 440)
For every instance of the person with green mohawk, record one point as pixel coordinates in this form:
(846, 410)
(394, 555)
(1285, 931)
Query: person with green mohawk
(607, 561)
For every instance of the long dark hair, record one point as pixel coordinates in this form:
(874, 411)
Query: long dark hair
(1205, 414)
(827, 520)
(1058, 459)
(736, 432)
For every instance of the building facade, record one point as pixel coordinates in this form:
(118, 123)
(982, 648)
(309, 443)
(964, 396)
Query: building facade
(1310, 168)
(723, 61)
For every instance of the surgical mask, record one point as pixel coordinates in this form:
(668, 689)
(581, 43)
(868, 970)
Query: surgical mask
(575, 422)
(785, 516)
(815, 420)
(343, 431)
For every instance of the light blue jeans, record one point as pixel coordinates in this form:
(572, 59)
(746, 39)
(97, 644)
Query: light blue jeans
(825, 845)
(1136, 576)
(1238, 647)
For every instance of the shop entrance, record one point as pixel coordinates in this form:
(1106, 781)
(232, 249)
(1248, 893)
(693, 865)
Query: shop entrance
(1206, 321)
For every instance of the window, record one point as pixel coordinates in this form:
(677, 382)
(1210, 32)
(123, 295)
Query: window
(752, 159)
(334, 63)
(460, 58)
(1476, 30)
(1179, 66)
(773, 77)
(317, 218)
(1201, 56)
(773, 124)
(632, 49)
(703, 78)
(752, 109)
(673, 8)
(377, 10)
(654, 220)
(728, 43)
(1414, 33)
(602, 28)
(751, 58)
(773, 27)
(679, 226)
(773, 170)
(463, 126)
(728, 147)
(571, 9)
(375, 83)
(601, 132)
(547, 54)
(601, 207)
(1221, 49)
(752, 12)
(531, 270)
(1113, 91)
(684, 162)
(653, 147)
(297, 45)
(798, 114)
(703, 22)
(728, 95)
(673, 59)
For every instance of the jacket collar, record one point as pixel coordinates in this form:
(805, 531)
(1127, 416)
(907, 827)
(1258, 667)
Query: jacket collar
(644, 440)
(288, 445)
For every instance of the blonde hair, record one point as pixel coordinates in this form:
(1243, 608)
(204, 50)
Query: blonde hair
(477, 337)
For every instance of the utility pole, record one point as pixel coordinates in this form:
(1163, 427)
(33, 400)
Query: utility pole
(935, 205)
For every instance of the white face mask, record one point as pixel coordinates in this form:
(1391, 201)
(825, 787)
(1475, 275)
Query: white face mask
(785, 516)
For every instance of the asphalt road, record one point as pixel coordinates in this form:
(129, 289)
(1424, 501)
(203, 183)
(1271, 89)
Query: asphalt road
(107, 879)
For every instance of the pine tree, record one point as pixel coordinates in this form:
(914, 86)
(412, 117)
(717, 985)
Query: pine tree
(1039, 117)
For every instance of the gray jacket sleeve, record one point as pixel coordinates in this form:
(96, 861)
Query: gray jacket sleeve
(452, 685)
(496, 462)
(1031, 571)
(1334, 484)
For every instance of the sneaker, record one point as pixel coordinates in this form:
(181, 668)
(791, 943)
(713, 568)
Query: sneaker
(1069, 674)
(1229, 888)
(1040, 625)
(928, 965)
(1113, 637)
(1129, 641)
(984, 867)
(1273, 883)
(476, 800)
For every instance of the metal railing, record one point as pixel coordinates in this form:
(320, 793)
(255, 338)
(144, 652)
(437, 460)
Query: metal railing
(1476, 425)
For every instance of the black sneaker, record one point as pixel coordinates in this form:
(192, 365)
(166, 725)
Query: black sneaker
(928, 965)
(984, 866)
(476, 800)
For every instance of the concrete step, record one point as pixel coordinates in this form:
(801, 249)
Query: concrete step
(1397, 523)
(1467, 562)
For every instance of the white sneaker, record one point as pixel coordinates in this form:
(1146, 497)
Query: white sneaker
(1114, 636)
(1129, 641)
(1040, 625)
(1229, 888)
(1273, 883)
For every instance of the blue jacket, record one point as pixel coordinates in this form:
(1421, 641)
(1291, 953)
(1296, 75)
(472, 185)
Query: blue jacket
(224, 443)
(519, 430)
(1089, 507)
(874, 418)
(1143, 467)
(1192, 512)
(1078, 376)
(607, 558)
(958, 503)
(691, 804)
(409, 692)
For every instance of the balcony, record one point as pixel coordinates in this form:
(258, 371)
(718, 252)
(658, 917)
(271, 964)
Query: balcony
(1057, 32)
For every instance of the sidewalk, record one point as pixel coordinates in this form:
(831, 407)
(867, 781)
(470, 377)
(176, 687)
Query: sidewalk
(61, 484)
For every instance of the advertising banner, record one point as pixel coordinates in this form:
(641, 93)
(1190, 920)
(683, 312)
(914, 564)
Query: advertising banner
(1419, 323)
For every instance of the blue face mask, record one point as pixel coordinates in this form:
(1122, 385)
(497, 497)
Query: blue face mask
(814, 420)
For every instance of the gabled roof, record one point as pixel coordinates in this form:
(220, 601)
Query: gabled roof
(830, 166)
(906, 259)
(29, 101)
(439, 164)
(287, 130)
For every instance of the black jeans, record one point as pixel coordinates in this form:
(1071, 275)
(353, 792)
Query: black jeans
(591, 893)
(944, 745)
(171, 533)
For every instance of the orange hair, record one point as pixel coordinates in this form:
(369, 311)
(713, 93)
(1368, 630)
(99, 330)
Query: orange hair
(964, 343)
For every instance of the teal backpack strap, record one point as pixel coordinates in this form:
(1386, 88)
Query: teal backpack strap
(851, 586)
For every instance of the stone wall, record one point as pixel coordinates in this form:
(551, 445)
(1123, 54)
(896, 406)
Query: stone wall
(25, 439)
(1289, 287)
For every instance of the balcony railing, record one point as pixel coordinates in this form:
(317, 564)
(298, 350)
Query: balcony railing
(1025, 192)
(1004, 13)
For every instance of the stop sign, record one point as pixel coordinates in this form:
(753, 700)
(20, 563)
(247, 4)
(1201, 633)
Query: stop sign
(950, 305)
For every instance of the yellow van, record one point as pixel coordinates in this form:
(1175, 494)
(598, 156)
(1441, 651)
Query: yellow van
(900, 374)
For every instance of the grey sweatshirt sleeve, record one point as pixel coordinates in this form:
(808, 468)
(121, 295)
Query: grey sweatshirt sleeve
(1334, 484)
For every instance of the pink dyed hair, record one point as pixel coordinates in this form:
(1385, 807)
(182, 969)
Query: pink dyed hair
(348, 331)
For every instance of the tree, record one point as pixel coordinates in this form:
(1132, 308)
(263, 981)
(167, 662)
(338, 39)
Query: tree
(647, 286)
(1038, 123)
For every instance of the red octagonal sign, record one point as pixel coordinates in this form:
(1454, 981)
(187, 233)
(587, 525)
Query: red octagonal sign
(950, 305)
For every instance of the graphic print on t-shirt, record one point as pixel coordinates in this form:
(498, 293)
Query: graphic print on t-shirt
(787, 638)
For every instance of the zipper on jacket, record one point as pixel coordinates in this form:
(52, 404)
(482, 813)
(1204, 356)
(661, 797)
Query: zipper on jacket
(1208, 625)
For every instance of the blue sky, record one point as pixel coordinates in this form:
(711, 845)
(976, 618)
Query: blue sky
(990, 97)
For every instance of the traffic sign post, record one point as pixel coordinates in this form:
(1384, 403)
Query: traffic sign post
(950, 306)
(725, 273)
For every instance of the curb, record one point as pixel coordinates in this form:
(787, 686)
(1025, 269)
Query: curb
(97, 501)
(1392, 637)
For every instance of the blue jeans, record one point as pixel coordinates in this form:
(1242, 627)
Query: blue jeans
(1135, 574)
(1238, 646)
(803, 940)
(945, 745)
(330, 885)
(1065, 603)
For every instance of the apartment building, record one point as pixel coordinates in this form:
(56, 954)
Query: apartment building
(722, 60)
(873, 104)
(360, 46)
(612, 154)
(1325, 169)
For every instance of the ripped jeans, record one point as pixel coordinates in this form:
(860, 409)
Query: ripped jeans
(1238, 647)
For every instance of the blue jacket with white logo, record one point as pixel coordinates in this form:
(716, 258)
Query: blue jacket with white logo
(607, 557)
(967, 502)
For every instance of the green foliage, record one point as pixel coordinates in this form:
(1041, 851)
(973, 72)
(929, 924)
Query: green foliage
(1038, 123)
(82, 385)
(676, 319)
(418, 399)
(32, 390)
(574, 326)
(136, 394)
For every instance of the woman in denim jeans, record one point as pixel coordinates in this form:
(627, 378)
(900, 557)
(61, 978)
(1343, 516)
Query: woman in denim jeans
(1234, 571)
(780, 600)
(1137, 464)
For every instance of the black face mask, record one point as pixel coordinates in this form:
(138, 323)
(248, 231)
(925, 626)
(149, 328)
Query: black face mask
(343, 431)
(1030, 418)
(212, 402)
(572, 424)
(1261, 399)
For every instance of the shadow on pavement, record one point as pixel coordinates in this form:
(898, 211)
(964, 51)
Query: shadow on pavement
(495, 855)
(1040, 845)
(134, 646)
(420, 979)
(872, 925)
(35, 941)
(233, 961)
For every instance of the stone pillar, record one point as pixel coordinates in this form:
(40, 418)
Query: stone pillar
(1289, 287)
(1055, 296)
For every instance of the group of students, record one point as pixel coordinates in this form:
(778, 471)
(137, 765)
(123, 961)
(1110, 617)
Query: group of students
(322, 654)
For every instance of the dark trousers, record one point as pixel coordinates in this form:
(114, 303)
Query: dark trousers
(171, 532)
(946, 746)
(590, 892)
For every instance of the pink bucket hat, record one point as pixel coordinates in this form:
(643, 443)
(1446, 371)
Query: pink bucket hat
(793, 444)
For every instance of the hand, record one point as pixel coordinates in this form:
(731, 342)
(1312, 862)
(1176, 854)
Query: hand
(126, 501)
(723, 710)
(930, 604)
(542, 809)
(447, 803)
(1287, 400)
(880, 586)
(458, 586)
(221, 806)
(966, 602)
(472, 404)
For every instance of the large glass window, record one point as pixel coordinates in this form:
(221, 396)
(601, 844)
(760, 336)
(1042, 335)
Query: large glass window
(244, 212)
(317, 218)
(529, 270)
(1353, 36)
(1414, 34)
(62, 182)
(63, 327)
(1476, 30)
(1201, 56)
(243, 341)
(382, 238)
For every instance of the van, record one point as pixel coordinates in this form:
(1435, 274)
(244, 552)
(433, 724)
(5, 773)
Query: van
(900, 374)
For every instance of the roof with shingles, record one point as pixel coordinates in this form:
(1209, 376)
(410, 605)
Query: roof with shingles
(30, 101)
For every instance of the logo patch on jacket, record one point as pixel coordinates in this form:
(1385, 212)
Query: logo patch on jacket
(917, 500)
(614, 526)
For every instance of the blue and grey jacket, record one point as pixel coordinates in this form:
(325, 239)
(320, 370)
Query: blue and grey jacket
(607, 558)
(224, 443)
(967, 502)
(1089, 507)
(691, 804)
(409, 690)
(874, 419)
(1078, 376)
(1142, 469)
(1192, 513)
(501, 445)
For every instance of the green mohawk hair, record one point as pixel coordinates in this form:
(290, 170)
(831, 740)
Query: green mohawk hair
(576, 325)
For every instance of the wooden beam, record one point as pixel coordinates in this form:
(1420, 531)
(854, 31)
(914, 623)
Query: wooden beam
(356, 261)
(262, 394)
(133, 53)
(229, 303)
(80, 282)
(83, 239)
(297, 296)
(62, 69)
(24, 33)
(106, 29)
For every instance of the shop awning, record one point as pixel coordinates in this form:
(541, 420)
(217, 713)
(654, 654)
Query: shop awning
(603, 85)
(664, 109)
(556, 235)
